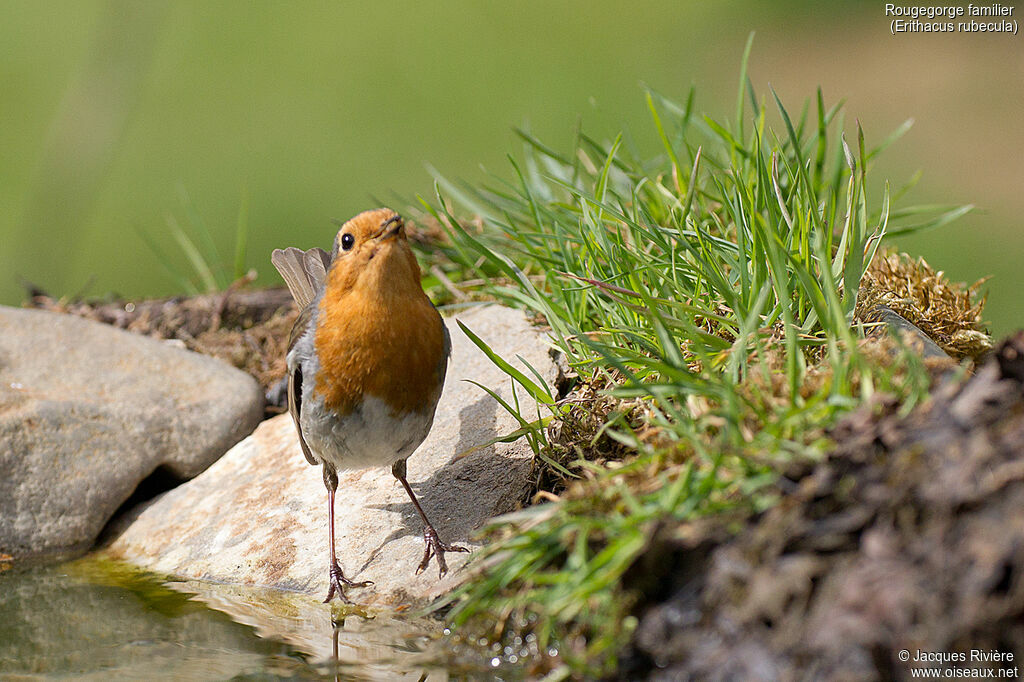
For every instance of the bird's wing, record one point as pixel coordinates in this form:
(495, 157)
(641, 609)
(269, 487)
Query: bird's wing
(303, 271)
(295, 379)
(443, 364)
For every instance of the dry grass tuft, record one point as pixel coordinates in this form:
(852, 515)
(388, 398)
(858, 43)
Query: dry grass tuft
(948, 312)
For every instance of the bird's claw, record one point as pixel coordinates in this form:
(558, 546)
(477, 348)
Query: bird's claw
(434, 547)
(338, 580)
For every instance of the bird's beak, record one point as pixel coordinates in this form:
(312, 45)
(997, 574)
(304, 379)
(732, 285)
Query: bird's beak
(390, 228)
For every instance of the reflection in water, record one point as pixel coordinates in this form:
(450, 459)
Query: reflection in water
(54, 621)
(101, 620)
(341, 638)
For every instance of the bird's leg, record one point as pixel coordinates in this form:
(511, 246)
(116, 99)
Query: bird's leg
(434, 546)
(337, 578)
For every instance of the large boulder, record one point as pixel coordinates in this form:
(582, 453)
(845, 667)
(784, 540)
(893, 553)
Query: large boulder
(259, 515)
(87, 412)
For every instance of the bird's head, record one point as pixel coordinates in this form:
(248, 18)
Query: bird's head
(372, 255)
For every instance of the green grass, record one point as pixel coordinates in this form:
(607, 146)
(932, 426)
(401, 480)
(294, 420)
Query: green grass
(712, 291)
(207, 271)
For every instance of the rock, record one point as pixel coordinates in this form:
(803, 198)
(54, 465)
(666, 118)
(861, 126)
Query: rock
(88, 411)
(259, 516)
(907, 331)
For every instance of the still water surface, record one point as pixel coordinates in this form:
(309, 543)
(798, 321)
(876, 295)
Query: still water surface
(96, 620)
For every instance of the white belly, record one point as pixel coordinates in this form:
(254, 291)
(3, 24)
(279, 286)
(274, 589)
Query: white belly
(367, 437)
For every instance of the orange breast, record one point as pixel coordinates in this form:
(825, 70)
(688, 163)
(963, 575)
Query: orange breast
(391, 348)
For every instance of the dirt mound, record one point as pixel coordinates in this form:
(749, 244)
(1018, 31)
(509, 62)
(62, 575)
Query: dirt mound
(910, 536)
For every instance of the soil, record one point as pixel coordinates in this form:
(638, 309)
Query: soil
(909, 536)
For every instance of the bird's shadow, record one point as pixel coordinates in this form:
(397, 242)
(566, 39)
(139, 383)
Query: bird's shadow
(449, 483)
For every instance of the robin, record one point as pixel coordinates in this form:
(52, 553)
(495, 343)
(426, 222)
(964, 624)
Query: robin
(366, 362)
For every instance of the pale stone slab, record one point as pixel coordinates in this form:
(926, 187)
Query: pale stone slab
(259, 515)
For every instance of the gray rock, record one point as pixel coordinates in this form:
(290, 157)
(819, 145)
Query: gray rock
(88, 411)
(904, 329)
(258, 516)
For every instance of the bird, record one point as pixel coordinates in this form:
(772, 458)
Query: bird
(366, 359)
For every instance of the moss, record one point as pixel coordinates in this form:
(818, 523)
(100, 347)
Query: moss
(948, 312)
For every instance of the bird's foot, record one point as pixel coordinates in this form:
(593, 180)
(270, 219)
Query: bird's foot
(434, 547)
(339, 582)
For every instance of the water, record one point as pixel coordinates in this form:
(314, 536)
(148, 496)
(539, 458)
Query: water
(95, 619)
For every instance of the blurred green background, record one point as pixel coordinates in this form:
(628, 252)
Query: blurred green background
(117, 114)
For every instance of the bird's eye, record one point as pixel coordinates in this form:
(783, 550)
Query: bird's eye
(347, 241)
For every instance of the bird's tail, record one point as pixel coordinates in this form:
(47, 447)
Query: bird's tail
(303, 271)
